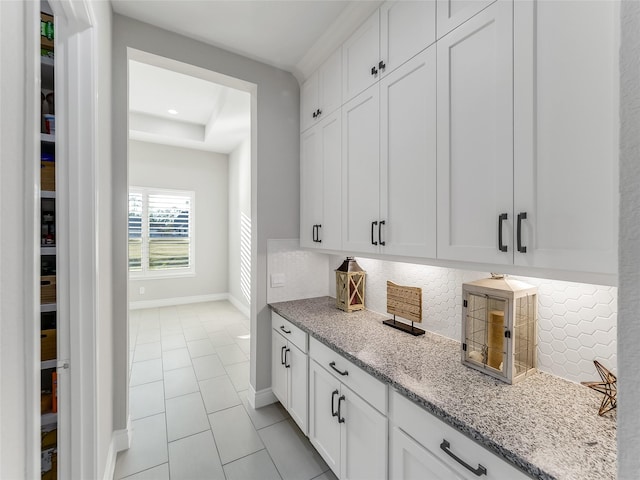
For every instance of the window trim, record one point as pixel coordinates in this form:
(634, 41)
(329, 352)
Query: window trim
(145, 272)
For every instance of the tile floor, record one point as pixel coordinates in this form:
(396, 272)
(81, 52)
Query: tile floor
(188, 403)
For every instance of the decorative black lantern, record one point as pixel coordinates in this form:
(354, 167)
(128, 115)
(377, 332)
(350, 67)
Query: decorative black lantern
(350, 286)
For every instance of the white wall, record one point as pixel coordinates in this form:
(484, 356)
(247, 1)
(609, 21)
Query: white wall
(104, 310)
(629, 246)
(19, 370)
(303, 272)
(274, 175)
(240, 224)
(205, 173)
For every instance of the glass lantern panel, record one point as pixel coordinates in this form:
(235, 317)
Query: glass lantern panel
(524, 335)
(496, 324)
(475, 328)
(484, 331)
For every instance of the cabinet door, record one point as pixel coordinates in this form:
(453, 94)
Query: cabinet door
(278, 370)
(406, 28)
(361, 53)
(566, 134)
(298, 386)
(360, 172)
(452, 13)
(324, 429)
(311, 187)
(408, 157)
(330, 230)
(411, 461)
(330, 84)
(475, 138)
(363, 439)
(309, 101)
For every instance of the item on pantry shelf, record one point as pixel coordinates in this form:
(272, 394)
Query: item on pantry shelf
(350, 286)
(49, 123)
(406, 302)
(47, 345)
(54, 392)
(48, 289)
(51, 103)
(47, 32)
(499, 316)
(46, 402)
(608, 387)
(47, 172)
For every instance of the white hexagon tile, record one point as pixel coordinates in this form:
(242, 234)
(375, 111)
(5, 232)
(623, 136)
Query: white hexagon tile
(577, 323)
(304, 273)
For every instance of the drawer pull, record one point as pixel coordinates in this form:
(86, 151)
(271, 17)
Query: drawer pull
(334, 412)
(340, 417)
(445, 445)
(284, 329)
(333, 365)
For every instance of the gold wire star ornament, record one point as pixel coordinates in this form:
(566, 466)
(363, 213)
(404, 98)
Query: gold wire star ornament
(608, 386)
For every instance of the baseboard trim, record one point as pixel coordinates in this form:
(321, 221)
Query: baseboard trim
(168, 302)
(120, 440)
(246, 311)
(261, 398)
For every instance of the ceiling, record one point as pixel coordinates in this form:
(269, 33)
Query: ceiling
(272, 31)
(289, 34)
(209, 116)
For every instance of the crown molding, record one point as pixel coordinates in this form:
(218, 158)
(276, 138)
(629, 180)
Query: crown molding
(351, 18)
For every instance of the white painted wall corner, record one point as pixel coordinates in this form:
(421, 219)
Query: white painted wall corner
(261, 398)
(120, 441)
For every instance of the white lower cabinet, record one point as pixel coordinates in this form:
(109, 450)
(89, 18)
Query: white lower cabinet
(408, 460)
(423, 446)
(363, 431)
(289, 371)
(348, 433)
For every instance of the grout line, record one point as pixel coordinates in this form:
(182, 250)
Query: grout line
(145, 470)
(170, 324)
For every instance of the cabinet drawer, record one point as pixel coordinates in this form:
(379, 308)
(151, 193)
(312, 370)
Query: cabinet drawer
(289, 331)
(430, 432)
(372, 390)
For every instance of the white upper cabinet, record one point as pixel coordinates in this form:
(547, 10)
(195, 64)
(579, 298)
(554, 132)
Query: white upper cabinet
(311, 186)
(321, 93)
(360, 58)
(361, 172)
(453, 13)
(321, 184)
(396, 32)
(389, 163)
(408, 158)
(475, 139)
(406, 28)
(566, 134)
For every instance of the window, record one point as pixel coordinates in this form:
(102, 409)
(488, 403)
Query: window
(160, 232)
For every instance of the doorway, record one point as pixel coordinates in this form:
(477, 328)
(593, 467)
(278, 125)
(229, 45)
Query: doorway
(189, 250)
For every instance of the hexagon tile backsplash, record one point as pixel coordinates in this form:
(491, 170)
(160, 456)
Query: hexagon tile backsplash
(577, 323)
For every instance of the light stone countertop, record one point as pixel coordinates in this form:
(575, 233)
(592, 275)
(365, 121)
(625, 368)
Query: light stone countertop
(546, 426)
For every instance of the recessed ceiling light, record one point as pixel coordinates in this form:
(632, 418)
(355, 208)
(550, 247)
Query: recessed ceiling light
(172, 111)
